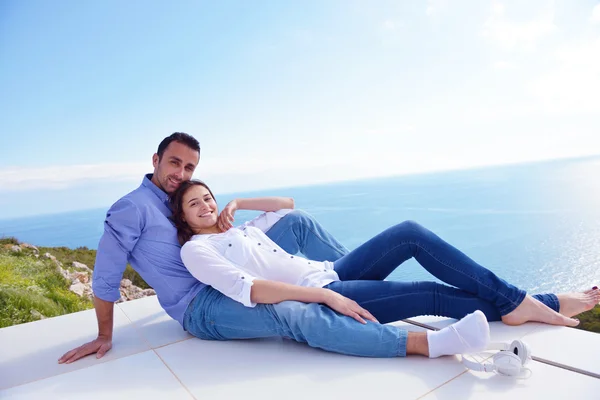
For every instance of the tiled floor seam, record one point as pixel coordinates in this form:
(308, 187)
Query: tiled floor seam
(174, 374)
(168, 344)
(566, 367)
(158, 355)
(439, 386)
(80, 369)
(138, 352)
(420, 325)
(145, 339)
(461, 374)
(135, 327)
(534, 358)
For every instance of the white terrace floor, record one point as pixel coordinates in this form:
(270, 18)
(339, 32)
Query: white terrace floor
(152, 358)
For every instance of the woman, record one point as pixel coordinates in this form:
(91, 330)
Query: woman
(246, 266)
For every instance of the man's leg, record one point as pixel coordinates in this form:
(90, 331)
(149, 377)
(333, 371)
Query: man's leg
(299, 232)
(213, 316)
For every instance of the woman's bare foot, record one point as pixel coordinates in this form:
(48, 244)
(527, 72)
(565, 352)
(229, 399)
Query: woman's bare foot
(532, 310)
(575, 303)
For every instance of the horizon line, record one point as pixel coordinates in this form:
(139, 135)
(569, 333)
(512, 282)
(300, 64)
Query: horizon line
(342, 181)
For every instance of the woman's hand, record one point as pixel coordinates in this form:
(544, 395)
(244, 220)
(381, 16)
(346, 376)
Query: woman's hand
(348, 307)
(226, 219)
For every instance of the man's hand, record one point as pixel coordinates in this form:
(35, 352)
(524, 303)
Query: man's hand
(99, 346)
(348, 307)
(226, 219)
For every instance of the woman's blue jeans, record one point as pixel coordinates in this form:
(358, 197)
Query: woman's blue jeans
(362, 273)
(213, 316)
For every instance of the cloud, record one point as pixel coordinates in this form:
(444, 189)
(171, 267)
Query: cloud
(391, 31)
(573, 84)
(435, 7)
(512, 35)
(503, 65)
(230, 174)
(389, 25)
(596, 14)
(59, 177)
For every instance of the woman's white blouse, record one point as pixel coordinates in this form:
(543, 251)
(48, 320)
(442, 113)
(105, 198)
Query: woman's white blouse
(231, 261)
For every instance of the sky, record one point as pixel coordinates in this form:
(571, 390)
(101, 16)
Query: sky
(283, 94)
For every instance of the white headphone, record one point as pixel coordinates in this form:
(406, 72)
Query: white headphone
(510, 361)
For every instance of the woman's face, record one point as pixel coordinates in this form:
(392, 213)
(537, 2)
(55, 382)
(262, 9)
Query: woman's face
(200, 210)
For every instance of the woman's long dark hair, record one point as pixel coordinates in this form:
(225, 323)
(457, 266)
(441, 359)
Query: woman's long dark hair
(184, 232)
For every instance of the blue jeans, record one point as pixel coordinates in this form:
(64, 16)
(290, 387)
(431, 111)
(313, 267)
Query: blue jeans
(362, 273)
(214, 316)
(299, 232)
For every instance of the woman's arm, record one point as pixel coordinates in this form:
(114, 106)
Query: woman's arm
(211, 268)
(264, 203)
(271, 292)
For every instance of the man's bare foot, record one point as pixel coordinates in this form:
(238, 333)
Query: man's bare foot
(575, 303)
(532, 310)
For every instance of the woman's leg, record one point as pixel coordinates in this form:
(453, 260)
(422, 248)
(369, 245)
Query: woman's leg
(391, 301)
(299, 232)
(378, 257)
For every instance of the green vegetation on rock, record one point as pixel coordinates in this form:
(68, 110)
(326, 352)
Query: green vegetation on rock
(88, 257)
(590, 320)
(32, 287)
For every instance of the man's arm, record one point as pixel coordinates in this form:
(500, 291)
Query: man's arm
(122, 229)
(103, 343)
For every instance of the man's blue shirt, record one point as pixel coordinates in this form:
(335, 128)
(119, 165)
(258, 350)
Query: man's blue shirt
(137, 230)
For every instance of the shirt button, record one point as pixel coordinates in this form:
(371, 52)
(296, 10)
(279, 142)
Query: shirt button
(291, 256)
(274, 250)
(309, 262)
(229, 244)
(242, 277)
(259, 244)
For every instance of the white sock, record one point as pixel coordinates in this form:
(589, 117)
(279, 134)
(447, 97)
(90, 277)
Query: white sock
(469, 335)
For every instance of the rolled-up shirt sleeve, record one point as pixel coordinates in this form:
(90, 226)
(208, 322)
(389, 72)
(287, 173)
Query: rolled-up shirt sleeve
(122, 229)
(266, 220)
(211, 268)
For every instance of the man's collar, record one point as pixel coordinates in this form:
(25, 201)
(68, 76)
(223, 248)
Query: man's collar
(147, 182)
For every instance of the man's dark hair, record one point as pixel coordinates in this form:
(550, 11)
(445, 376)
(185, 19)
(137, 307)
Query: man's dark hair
(180, 137)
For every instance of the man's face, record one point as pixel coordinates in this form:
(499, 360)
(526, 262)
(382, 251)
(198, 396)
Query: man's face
(177, 164)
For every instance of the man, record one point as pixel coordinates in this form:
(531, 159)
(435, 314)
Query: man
(138, 230)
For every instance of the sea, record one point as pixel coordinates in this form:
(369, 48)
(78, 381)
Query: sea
(537, 225)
